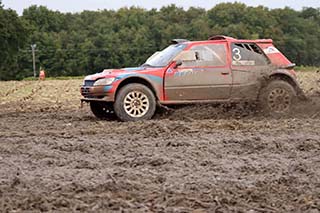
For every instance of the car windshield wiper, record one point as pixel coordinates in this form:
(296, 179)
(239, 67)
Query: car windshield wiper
(146, 65)
(149, 65)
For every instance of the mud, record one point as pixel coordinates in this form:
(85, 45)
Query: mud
(55, 156)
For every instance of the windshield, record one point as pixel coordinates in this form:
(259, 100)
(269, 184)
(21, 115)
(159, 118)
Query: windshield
(163, 58)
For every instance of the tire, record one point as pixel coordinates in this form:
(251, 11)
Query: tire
(277, 98)
(102, 110)
(135, 102)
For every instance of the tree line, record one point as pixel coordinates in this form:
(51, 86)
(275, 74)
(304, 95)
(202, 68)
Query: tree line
(72, 44)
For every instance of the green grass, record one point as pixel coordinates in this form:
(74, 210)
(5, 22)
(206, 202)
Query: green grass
(297, 68)
(55, 78)
(306, 68)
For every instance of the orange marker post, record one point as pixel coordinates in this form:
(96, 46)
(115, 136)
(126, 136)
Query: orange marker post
(42, 75)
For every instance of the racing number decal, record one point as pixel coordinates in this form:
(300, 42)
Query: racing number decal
(236, 54)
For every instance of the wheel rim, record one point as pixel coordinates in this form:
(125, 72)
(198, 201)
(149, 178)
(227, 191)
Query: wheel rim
(279, 100)
(136, 104)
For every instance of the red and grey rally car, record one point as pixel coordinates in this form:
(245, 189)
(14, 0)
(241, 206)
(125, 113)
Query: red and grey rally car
(220, 69)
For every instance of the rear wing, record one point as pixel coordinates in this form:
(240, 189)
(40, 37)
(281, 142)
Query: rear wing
(275, 56)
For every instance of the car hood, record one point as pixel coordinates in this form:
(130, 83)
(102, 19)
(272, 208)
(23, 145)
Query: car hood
(113, 73)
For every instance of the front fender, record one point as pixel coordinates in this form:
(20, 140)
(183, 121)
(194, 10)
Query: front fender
(153, 81)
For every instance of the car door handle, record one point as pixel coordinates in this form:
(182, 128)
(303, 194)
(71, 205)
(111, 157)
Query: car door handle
(225, 72)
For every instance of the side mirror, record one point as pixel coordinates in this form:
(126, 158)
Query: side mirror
(178, 64)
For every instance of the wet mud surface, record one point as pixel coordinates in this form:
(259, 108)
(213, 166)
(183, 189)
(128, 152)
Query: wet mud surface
(55, 156)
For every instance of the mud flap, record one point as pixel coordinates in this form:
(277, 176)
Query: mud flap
(83, 101)
(81, 104)
(301, 95)
(162, 106)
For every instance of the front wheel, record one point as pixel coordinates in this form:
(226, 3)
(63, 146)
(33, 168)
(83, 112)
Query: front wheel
(277, 98)
(102, 110)
(135, 102)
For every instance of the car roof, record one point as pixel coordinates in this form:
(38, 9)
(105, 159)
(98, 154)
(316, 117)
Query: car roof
(227, 38)
(222, 38)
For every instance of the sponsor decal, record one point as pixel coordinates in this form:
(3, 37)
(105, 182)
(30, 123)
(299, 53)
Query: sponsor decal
(244, 63)
(183, 72)
(270, 50)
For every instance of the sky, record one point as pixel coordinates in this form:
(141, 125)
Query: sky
(80, 5)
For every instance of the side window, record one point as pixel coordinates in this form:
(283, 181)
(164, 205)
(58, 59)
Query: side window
(247, 54)
(208, 55)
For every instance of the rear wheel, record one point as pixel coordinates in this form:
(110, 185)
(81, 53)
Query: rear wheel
(277, 98)
(135, 102)
(102, 110)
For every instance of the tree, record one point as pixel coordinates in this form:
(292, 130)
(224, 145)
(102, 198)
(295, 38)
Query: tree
(90, 41)
(13, 35)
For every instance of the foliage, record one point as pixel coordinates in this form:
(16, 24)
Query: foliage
(307, 69)
(88, 42)
(12, 37)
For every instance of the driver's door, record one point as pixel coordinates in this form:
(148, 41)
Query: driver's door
(205, 76)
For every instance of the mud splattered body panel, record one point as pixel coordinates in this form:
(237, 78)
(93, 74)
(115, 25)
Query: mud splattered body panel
(154, 77)
(194, 83)
(220, 69)
(208, 77)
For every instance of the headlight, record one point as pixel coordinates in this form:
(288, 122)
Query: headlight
(104, 82)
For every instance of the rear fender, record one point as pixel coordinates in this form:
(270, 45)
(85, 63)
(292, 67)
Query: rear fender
(285, 74)
(289, 76)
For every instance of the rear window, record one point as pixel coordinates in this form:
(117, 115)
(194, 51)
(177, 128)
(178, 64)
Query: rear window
(211, 55)
(248, 54)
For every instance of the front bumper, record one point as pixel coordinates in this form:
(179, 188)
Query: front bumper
(92, 91)
(88, 100)
(96, 93)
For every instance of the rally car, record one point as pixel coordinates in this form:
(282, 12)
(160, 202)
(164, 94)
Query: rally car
(220, 69)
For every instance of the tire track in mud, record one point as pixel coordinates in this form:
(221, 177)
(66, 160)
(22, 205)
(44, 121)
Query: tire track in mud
(71, 124)
(15, 89)
(24, 101)
(71, 161)
(21, 103)
(158, 181)
(43, 97)
(37, 87)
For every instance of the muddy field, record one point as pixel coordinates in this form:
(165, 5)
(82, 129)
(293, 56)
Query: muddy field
(55, 156)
